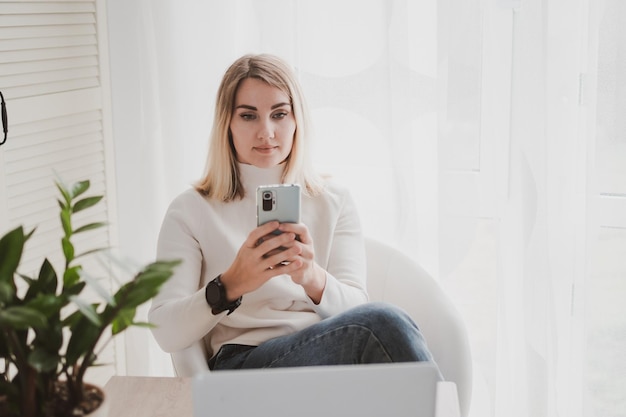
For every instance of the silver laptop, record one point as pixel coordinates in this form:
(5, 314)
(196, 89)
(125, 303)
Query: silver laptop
(376, 390)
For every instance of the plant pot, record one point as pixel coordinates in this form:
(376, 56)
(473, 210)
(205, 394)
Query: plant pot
(94, 402)
(94, 392)
(103, 409)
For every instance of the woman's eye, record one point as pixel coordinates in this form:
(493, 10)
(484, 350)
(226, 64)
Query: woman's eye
(280, 115)
(247, 116)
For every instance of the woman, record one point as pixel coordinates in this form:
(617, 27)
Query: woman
(259, 299)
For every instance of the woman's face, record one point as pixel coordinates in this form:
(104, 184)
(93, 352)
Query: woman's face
(262, 125)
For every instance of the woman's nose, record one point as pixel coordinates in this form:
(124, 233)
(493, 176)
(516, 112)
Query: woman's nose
(266, 130)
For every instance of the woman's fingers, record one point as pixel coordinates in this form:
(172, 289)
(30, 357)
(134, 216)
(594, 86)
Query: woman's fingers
(301, 231)
(260, 233)
(266, 253)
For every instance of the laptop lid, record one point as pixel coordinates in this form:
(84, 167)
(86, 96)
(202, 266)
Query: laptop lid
(376, 390)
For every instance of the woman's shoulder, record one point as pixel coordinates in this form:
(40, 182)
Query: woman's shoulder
(188, 210)
(188, 201)
(190, 196)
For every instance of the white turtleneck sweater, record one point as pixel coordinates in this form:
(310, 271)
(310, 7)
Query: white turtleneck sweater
(207, 234)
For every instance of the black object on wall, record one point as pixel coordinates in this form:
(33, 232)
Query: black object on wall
(5, 122)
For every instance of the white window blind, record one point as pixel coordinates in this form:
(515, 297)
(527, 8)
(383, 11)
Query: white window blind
(601, 300)
(53, 75)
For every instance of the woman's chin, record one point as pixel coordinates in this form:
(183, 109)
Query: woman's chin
(267, 162)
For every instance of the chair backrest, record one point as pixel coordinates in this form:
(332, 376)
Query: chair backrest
(395, 278)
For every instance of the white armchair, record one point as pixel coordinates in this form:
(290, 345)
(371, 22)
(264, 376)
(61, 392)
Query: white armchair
(395, 278)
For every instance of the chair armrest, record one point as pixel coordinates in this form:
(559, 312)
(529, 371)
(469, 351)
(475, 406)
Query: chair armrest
(447, 400)
(190, 361)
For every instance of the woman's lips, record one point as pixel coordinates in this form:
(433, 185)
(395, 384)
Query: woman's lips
(265, 149)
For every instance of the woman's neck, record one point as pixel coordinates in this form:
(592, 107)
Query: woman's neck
(252, 176)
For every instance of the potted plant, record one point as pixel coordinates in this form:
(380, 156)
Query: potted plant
(49, 334)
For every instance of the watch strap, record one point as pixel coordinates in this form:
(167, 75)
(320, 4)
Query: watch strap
(222, 304)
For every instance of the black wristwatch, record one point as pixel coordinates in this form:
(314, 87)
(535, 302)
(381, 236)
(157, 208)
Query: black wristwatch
(215, 294)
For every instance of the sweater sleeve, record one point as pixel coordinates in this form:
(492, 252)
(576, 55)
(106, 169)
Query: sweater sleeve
(346, 266)
(181, 299)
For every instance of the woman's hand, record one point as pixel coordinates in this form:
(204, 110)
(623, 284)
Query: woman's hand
(262, 256)
(306, 272)
(265, 255)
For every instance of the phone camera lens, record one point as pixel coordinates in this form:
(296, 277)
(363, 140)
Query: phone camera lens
(268, 201)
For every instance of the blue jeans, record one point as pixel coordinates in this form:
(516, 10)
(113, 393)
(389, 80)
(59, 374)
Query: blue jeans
(370, 333)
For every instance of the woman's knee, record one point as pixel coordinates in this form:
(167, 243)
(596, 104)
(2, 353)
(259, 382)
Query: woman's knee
(394, 329)
(385, 314)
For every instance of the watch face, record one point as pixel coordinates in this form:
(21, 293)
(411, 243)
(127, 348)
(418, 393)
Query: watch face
(213, 294)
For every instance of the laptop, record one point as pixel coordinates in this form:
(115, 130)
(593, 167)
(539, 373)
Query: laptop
(373, 390)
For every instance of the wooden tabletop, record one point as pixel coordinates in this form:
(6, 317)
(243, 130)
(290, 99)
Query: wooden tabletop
(138, 396)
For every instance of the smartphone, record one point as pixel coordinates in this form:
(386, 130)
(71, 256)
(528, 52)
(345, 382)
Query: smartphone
(278, 202)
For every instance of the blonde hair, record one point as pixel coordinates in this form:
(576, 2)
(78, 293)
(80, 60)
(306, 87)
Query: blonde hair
(221, 179)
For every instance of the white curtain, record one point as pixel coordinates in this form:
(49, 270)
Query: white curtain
(477, 136)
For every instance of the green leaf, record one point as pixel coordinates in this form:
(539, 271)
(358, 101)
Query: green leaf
(160, 270)
(29, 281)
(86, 203)
(66, 222)
(89, 252)
(90, 226)
(145, 285)
(73, 319)
(88, 310)
(123, 319)
(79, 188)
(22, 318)
(50, 337)
(46, 282)
(47, 277)
(7, 292)
(42, 360)
(74, 289)
(68, 249)
(11, 247)
(163, 265)
(144, 324)
(132, 295)
(47, 304)
(71, 276)
(65, 193)
(84, 335)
